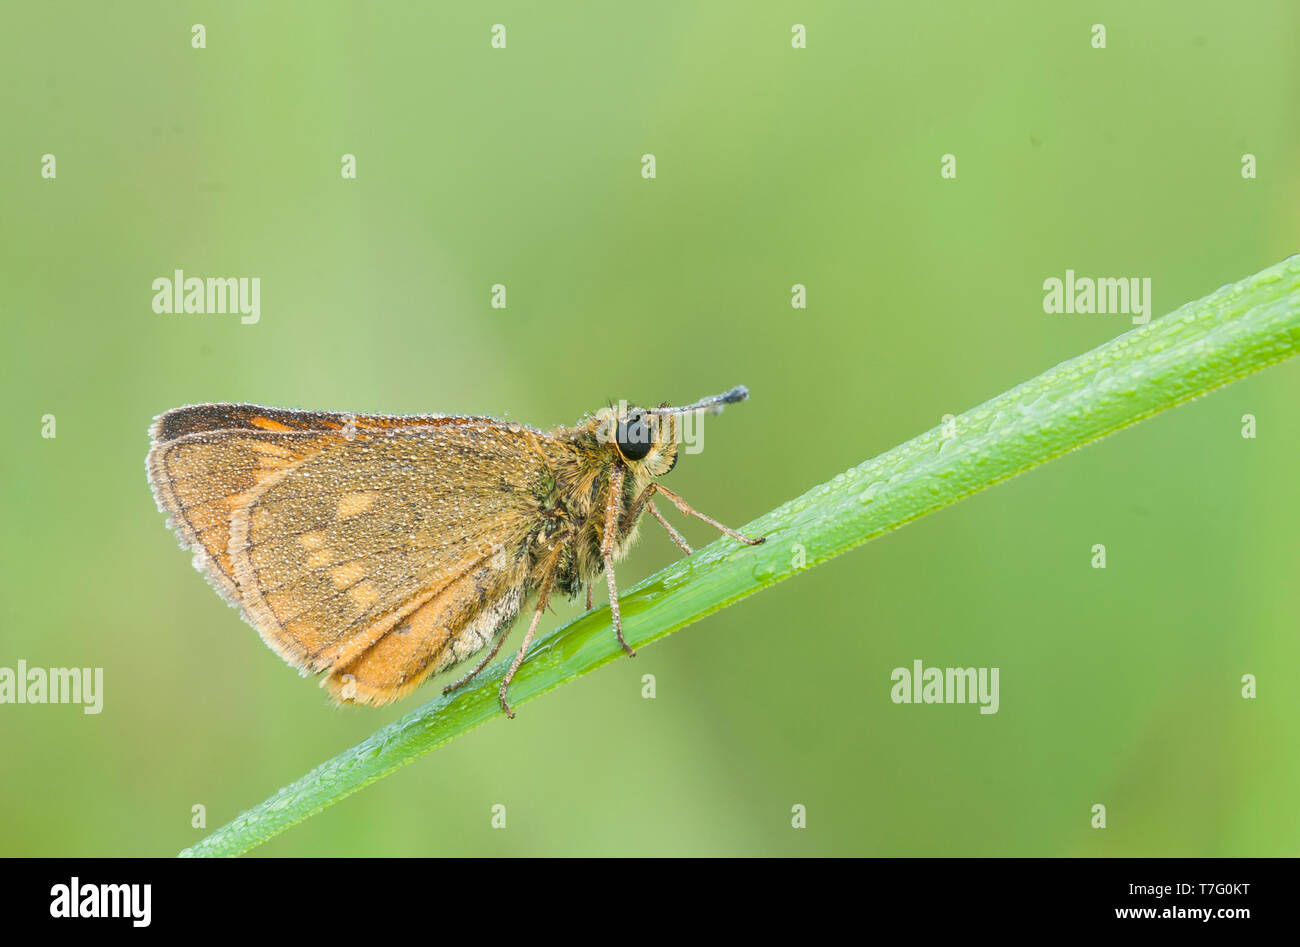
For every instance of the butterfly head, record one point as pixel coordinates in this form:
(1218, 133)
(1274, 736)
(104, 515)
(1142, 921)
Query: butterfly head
(648, 438)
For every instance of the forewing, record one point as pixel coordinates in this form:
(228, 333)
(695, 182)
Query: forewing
(333, 541)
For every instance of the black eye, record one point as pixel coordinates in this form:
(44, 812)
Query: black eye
(634, 438)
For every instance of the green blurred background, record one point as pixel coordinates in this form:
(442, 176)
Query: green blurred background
(775, 166)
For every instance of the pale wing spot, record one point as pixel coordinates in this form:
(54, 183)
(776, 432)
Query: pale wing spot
(347, 574)
(319, 560)
(312, 541)
(364, 594)
(353, 503)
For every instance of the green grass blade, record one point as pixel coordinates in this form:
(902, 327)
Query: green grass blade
(1199, 347)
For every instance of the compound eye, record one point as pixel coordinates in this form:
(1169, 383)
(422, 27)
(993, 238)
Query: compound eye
(634, 438)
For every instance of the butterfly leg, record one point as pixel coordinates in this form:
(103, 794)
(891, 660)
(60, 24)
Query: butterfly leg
(607, 553)
(690, 511)
(543, 599)
(480, 666)
(673, 534)
(634, 511)
(519, 658)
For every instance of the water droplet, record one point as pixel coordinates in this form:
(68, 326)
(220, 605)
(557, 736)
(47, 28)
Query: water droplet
(872, 491)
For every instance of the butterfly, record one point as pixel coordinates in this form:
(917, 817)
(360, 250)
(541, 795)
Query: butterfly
(381, 550)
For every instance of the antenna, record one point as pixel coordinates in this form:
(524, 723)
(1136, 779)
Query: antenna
(735, 395)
